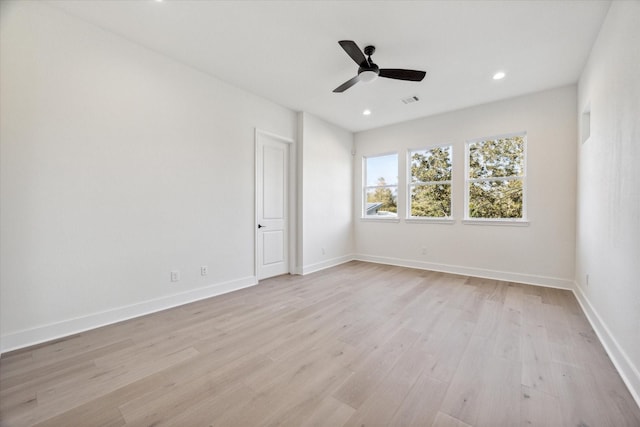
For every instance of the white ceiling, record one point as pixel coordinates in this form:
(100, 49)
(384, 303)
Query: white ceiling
(288, 52)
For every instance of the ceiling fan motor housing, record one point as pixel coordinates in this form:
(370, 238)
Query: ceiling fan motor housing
(373, 67)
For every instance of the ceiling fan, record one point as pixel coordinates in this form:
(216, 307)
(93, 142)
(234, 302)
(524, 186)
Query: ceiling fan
(368, 71)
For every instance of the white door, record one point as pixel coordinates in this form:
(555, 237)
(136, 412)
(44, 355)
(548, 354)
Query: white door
(272, 177)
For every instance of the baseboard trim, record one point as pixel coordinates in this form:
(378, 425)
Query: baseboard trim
(627, 370)
(53, 331)
(333, 262)
(625, 367)
(528, 279)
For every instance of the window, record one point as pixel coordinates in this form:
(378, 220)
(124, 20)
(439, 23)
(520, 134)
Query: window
(495, 184)
(381, 186)
(430, 183)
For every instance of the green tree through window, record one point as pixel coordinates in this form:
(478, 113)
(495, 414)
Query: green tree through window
(385, 195)
(381, 186)
(430, 185)
(495, 181)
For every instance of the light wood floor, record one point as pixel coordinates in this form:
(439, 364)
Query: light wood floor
(356, 345)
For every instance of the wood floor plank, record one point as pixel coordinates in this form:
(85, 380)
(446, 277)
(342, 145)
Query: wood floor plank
(508, 344)
(539, 409)
(17, 404)
(183, 392)
(367, 376)
(330, 412)
(532, 309)
(55, 368)
(210, 410)
(489, 319)
(75, 391)
(381, 405)
(104, 411)
(620, 410)
(499, 397)
(292, 394)
(358, 344)
(482, 384)
(462, 398)
(586, 408)
(536, 360)
(446, 420)
(421, 404)
(446, 351)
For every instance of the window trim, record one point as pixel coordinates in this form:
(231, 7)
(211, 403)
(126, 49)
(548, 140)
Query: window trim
(524, 220)
(380, 219)
(410, 184)
(430, 220)
(363, 195)
(514, 222)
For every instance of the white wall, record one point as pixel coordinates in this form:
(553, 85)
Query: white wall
(608, 212)
(325, 195)
(543, 252)
(118, 165)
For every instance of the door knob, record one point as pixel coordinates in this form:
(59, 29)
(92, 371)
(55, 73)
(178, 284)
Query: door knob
(262, 226)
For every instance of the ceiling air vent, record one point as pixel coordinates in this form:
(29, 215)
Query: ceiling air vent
(411, 99)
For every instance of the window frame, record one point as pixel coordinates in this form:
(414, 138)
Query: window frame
(524, 220)
(365, 187)
(410, 184)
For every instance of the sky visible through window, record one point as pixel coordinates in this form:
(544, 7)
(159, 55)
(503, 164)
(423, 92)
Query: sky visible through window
(382, 167)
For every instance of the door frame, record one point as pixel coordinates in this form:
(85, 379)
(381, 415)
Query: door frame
(259, 133)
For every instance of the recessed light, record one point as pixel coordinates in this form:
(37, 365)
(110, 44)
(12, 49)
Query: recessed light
(366, 113)
(499, 75)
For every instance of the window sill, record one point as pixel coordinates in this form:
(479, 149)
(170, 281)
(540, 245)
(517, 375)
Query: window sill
(380, 219)
(430, 220)
(500, 222)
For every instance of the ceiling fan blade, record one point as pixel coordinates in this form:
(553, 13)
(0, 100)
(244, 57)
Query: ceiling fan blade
(346, 85)
(353, 51)
(399, 74)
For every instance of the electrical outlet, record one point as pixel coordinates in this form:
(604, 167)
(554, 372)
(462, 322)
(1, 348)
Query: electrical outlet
(204, 270)
(175, 276)
(423, 250)
(323, 252)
